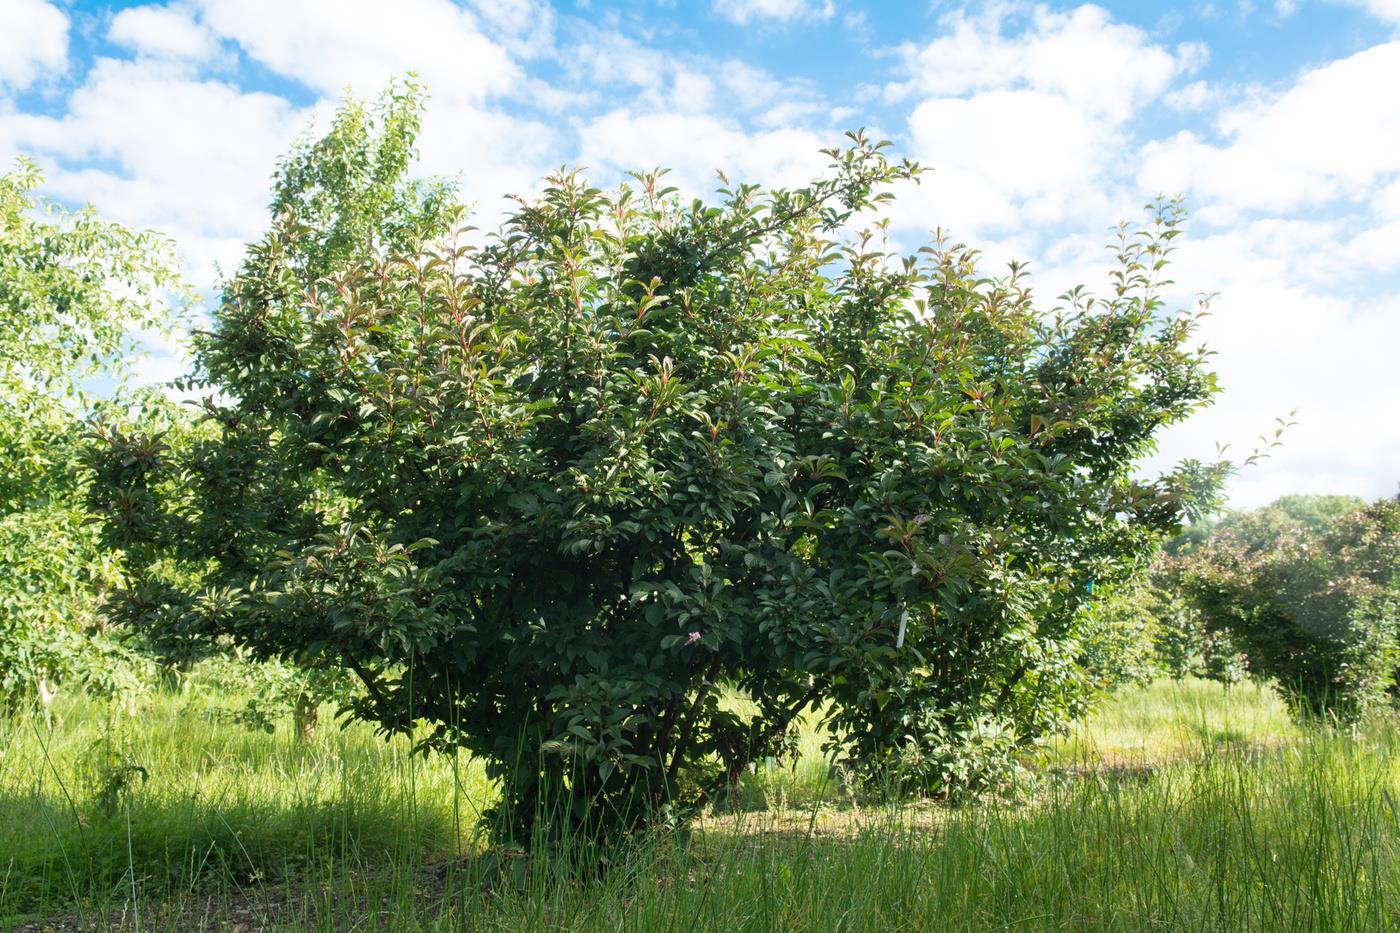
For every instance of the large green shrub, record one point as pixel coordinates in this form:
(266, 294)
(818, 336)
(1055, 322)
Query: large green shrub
(545, 491)
(1315, 605)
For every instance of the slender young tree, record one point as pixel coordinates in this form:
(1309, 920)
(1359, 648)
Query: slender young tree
(74, 290)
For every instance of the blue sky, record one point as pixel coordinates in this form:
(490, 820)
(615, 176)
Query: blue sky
(1043, 123)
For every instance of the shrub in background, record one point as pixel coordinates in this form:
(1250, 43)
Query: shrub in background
(1315, 606)
(1121, 638)
(1148, 628)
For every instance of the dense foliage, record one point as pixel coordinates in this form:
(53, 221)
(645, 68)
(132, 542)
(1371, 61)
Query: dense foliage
(73, 290)
(1313, 597)
(545, 491)
(1146, 628)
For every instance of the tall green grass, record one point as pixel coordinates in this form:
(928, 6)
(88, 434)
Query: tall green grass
(99, 806)
(1300, 839)
(1228, 818)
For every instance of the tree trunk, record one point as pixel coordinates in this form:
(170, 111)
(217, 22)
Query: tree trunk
(174, 675)
(304, 717)
(47, 691)
(736, 768)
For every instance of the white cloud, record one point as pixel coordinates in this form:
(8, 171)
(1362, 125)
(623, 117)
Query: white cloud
(747, 11)
(1388, 10)
(603, 57)
(1198, 95)
(1378, 247)
(1304, 193)
(1030, 147)
(33, 42)
(154, 147)
(1283, 348)
(1332, 135)
(489, 152)
(1387, 202)
(525, 26)
(1023, 115)
(329, 45)
(1104, 69)
(162, 31)
(693, 146)
(1294, 326)
(197, 152)
(694, 114)
(609, 64)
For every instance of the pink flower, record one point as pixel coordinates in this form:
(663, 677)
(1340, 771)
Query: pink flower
(692, 638)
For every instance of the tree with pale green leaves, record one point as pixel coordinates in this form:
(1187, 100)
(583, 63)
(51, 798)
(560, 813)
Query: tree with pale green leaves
(75, 293)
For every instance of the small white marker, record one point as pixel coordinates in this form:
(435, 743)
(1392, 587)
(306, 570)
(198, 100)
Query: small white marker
(903, 622)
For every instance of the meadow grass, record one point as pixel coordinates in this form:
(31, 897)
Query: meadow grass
(1170, 719)
(174, 799)
(1210, 811)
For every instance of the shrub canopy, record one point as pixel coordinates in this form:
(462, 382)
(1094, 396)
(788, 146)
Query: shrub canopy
(544, 491)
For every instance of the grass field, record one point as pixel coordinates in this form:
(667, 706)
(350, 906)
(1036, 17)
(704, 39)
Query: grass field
(1174, 807)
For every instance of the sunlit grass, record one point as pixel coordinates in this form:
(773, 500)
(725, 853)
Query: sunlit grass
(1168, 720)
(1174, 807)
(198, 799)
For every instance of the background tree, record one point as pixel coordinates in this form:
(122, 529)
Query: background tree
(1310, 590)
(199, 510)
(74, 290)
(1147, 628)
(1313, 513)
(543, 493)
(1120, 643)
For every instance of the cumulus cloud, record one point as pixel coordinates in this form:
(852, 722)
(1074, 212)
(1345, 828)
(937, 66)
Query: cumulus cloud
(1023, 114)
(490, 153)
(331, 44)
(747, 11)
(1105, 69)
(693, 146)
(1300, 203)
(1283, 346)
(152, 146)
(33, 42)
(162, 31)
(608, 63)
(694, 114)
(1198, 95)
(1388, 10)
(179, 148)
(1329, 136)
(526, 27)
